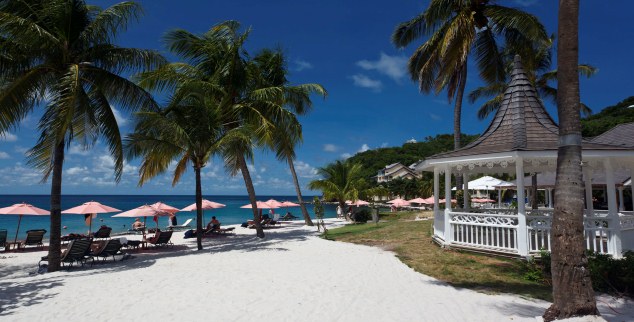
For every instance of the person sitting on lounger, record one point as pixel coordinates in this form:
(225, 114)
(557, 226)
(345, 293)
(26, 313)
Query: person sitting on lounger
(214, 224)
(138, 225)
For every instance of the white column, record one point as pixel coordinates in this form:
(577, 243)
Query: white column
(439, 228)
(613, 213)
(448, 233)
(522, 234)
(621, 205)
(465, 191)
(436, 189)
(587, 179)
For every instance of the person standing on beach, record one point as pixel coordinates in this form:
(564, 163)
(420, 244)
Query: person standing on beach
(339, 212)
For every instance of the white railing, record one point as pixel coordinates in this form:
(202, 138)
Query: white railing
(597, 233)
(497, 232)
(439, 223)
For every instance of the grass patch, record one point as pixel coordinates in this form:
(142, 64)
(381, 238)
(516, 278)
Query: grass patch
(412, 243)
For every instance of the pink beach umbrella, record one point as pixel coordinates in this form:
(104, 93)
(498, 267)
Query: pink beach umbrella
(165, 207)
(261, 205)
(289, 204)
(418, 200)
(357, 203)
(429, 201)
(443, 201)
(398, 202)
(206, 204)
(23, 209)
(144, 211)
(90, 208)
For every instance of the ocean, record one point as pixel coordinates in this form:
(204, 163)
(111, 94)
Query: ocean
(231, 214)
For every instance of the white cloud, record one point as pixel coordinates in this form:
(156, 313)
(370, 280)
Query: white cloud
(330, 147)
(305, 170)
(384, 145)
(252, 168)
(435, 117)
(394, 67)
(20, 149)
(19, 175)
(364, 148)
(78, 150)
(364, 81)
(346, 155)
(77, 171)
(4, 155)
(263, 169)
(121, 119)
(302, 65)
(8, 137)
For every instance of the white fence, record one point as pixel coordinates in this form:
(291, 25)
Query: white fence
(496, 232)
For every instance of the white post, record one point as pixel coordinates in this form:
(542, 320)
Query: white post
(522, 233)
(621, 205)
(613, 213)
(437, 214)
(500, 198)
(552, 201)
(587, 178)
(465, 191)
(448, 232)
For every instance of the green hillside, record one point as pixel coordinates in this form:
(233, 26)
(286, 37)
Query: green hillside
(609, 117)
(374, 160)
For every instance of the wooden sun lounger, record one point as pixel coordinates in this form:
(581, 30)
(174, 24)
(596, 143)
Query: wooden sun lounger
(162, 238)
(34, 238)
(77, 251)
(112, 247)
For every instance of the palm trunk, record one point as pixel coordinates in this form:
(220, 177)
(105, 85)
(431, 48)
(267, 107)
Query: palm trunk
(254, 205)
(457, 117)
(572, 286)
(299, 194)
(55, 240)
(199, 209)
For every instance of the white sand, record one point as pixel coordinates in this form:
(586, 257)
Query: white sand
(291, 275)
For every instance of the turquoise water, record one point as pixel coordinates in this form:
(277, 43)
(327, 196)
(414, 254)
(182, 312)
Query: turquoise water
(231, 214)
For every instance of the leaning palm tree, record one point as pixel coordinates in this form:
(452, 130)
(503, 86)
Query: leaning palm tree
(572, 286)
(537, 66)
(273, 70)
(341, 181)
(456, 28)
(74, 73)
(189, 131)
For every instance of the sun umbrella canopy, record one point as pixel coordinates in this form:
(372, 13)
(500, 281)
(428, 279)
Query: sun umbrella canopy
(482, 200)
(91, 207)
(261, 205)
(443, 201)
(357, 203)
(274, 202)
(429, 201)
(398, 202)
(24, 209)
(165, 207)
(206, 204)
(289, 204)
(418, 200)
(144, 211)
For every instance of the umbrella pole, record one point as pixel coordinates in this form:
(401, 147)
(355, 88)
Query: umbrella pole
(90, 226)
(17, 230)
(144, 219)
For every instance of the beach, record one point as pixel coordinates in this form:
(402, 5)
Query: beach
(291, 275)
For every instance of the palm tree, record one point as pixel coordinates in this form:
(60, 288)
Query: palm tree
(74, 73)
(455, 29)
(537, 66)
(219, 67)
(572, 286)
(341, 181)
(272, 65)
(189, 131)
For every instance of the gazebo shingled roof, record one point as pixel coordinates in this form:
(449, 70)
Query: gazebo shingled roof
(520, 124)
(620, 135)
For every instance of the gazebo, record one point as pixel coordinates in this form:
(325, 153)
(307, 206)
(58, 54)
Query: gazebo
(523, 139)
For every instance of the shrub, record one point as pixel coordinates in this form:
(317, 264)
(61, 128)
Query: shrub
(362, 216)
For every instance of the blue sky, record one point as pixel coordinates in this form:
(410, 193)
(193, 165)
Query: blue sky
(345, 46)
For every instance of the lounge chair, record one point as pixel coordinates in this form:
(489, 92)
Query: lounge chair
(77, 251)
(111, 247)
(103, 232)
(183, 226)
(34, 238)
(3, 238)
(288, 216)
(162, 238)
(220, 231)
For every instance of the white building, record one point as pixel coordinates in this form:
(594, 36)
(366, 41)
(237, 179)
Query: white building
(396, 171)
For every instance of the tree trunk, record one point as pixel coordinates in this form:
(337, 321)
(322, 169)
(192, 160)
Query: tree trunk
(299, 194)
(457, 117)
(342, 204)
(572, 286)
(534, 191)
(199, 210)
(252, 198)
(55, 240)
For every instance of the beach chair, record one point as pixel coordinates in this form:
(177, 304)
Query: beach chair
(34, 237)
(220, 231)
(3, 238)
(185, 225)
(77, 251)
(112, 247)
(102, 233)
(162, 238)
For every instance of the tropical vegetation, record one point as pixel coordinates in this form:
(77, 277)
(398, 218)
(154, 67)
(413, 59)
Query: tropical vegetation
(340, 181)
(609, 117)
(75, 74)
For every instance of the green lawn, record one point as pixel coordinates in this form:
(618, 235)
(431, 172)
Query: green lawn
(412, 243)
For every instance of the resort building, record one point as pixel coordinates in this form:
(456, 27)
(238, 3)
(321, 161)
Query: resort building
(522, 140)
(397, 171)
